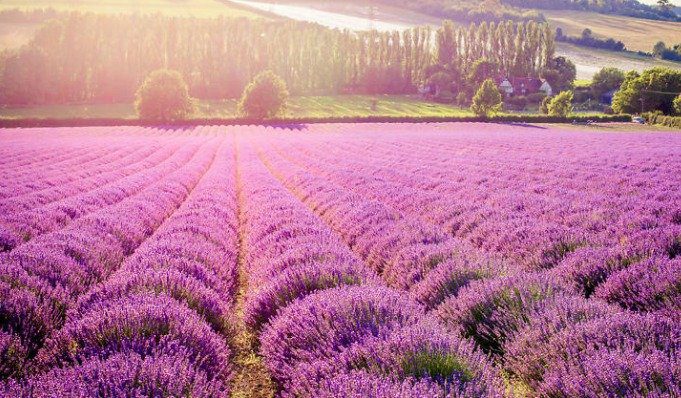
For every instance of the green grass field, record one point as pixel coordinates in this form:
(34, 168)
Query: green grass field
(298, 107)
(178, 8)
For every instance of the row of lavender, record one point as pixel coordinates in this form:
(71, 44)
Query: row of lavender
(538, 327)
(133, 297)
(64, 155)
(354, 290)
(83, 187)
(589, 237)
(327, 325)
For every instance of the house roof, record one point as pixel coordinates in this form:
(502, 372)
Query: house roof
(530, 84)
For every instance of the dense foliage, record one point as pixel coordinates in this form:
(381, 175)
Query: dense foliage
(110, 56)
(164, 96)
(663, 120)
(660, 50)
(652, 90)
(99, 58)
(561, 73)
(561, 104)
(467, 56)
(605, 80)
(265, 97)
(487, 99)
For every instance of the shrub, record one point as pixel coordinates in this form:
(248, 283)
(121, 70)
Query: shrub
(122, 375)
(265, 97)
(462, 98)
(606, 79)
(145, 325)
(169, 282)
(573, 355)
(452, 275)
(677, 105)
(164, 96)
(323, 324)
(12, 355)
(535, 98)
(487, 100)
(544, 107)
(561, 104)
(659, 119)
(423, 354)
(630, 373)
(640, 92)
(516, 103)
(524, 348)
(360, 383)
(588, 267)
(299, 281)
(488, 311)
(647, 286)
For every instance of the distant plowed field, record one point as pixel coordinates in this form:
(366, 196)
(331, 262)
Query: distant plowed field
(400, 260)
(637, 34)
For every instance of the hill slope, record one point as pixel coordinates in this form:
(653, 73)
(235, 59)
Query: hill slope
(636, 34)
(355, 16)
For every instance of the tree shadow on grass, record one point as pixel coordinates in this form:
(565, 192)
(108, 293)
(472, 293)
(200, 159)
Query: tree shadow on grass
(526, 125)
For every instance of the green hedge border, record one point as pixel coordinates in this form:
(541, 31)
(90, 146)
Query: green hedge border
(663, 120)
(15, 123)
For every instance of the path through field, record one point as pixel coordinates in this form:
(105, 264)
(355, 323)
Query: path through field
(328, 260)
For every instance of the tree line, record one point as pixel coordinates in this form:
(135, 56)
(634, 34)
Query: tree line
(85, 58)
(587, 39)
(499, 10)
(631, 8)
(88, 58)
(475, 11)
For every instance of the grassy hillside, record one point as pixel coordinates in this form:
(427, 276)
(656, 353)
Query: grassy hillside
(14, 35)
(299, 107)
(636, 34)
(181, 8)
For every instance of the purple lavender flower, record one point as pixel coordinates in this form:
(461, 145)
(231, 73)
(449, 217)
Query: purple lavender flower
(145, 325)
(123, 375)
(650, 285)
(525, 348)
(299, 281)
(627, 374)
(488, 311)
(325, 323)
(421, 353)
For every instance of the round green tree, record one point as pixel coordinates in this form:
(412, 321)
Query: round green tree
(677, 105)
(265, 97)
(561, 104)
(164, 96)
(606, 79)
(487, 100)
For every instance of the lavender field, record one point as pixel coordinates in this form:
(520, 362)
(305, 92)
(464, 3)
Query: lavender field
(399, 260)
